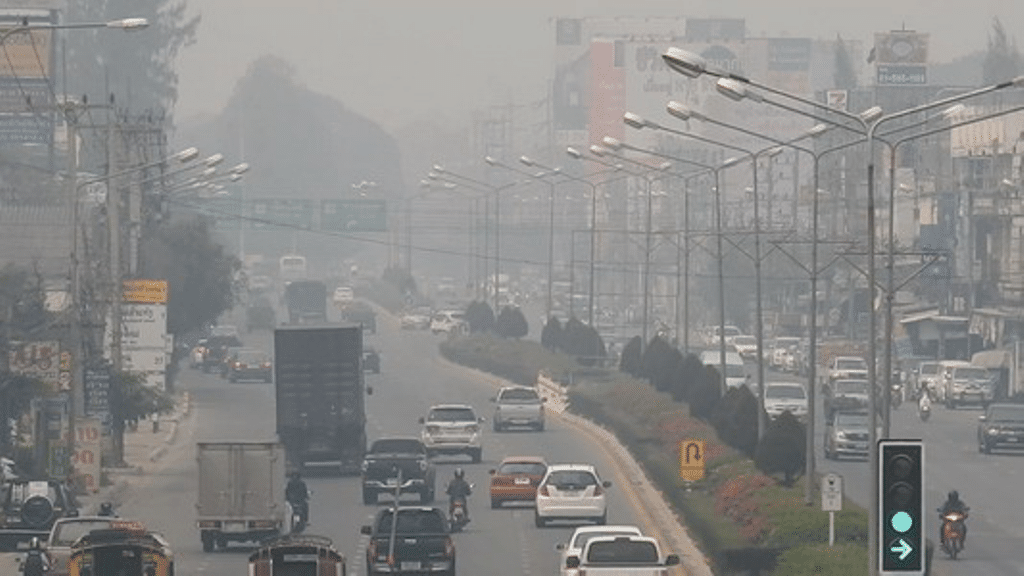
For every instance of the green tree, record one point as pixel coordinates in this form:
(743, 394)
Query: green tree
(705, 390)
(479, 316)
(1003, 60)
(783, 448)
(735, 419)
(844, 77)
(511, 323)
(630, 360)
(199, 273)
(139, 67)
(551, 334)
(130, 401)
(659, 362)
(686, 376)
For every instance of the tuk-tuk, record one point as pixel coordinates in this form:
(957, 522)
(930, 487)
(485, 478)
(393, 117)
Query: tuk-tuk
(124, 549)
(297, 555)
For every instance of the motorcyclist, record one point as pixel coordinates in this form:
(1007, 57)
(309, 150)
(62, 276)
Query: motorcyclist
(36, 562)
(953, 503)
(459, 489)
(106, 509)
(297, 494)
(924, 403)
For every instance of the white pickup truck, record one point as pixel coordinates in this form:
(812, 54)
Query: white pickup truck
(622, 556)
(518, 406)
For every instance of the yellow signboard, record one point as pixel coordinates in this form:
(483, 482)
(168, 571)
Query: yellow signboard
(691, 460)
(27, 53)
(145, 291)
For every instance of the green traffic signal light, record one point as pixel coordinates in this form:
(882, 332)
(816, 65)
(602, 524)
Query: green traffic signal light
(901, 503)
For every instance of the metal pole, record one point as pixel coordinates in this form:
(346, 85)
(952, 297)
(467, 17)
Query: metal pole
(759, 321)
(647, 260)
(77, 408)
(497, 249)
(872, 359)
(686, 266)
(487, 249)
(890, 293)
(551, 248)
(812, 365)
(719, 185)
(593, 230)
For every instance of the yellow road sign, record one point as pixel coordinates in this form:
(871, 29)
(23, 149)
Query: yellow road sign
(691, 460)
(145, 291)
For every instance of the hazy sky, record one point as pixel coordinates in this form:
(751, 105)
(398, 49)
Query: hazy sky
(398, 60)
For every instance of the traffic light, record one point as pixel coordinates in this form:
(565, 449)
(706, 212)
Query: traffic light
(901, 502)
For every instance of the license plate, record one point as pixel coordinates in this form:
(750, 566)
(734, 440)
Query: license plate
(410, 565)
(522, 480)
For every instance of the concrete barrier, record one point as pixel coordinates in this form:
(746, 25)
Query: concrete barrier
(554, 393)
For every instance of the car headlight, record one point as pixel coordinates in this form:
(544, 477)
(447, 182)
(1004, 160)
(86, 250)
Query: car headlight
(840, 435)
(993, 431)
(423, 464)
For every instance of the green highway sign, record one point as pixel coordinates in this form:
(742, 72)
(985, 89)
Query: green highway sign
(281, 214)
(361, 215)
(227, 213)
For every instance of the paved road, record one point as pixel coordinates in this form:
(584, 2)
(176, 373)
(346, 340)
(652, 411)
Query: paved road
(496, 542)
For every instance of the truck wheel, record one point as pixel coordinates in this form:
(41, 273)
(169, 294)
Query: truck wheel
(477, 455)
(207, 540)
(369, 497)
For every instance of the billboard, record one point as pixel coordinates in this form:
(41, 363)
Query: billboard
(143, 326)
(607, 92)
(36, 359)
(28, 53)
(901, 47)
(145, 291)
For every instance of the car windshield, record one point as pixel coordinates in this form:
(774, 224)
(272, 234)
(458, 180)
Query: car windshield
(451, 415)
(575, 478)
(732, 331)
(252, 357)
(787, 342)
(851, 365)
(529, 468)
(519, 396)
(67, 533)
(744, 341)
(970, 373)
(412, 521)
(1006, 413)
(852, 387)
(929, 369)
(785, 392)
(397, 446)
(852, 420)
(583, 537)
(623, 551)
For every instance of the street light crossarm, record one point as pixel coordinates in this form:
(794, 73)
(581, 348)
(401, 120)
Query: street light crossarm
(186, 155)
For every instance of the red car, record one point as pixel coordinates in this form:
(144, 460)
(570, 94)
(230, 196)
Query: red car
(516, 479)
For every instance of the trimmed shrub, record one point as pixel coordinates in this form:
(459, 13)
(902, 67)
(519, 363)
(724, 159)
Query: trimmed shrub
(511, 323)
(705, 390)
(658, 364)
(479, 316)
(551, 335)
(735, 418)
(783, 448)
(629, 362)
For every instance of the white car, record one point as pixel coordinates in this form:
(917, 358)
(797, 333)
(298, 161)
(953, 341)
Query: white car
(746, 346)
(448, 322)
(416, 319)
(571, 492)
(782, 397)
(582, 535)
(453, 429)
(781, 349)
(344, 295)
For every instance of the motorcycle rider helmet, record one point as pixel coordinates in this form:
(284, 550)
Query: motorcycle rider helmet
(106, 509)
(460, 473)
(954, 496)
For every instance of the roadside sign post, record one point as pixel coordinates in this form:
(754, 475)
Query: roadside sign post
(832, 502)
(691, 460)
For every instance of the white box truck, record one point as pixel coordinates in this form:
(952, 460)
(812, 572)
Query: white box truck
(240, 492)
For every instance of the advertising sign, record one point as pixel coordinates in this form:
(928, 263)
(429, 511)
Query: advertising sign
(26, 128)
(97, 396)
(28, 53)
(143, 326)
(15, 94)
(37, 359)
(901, 47)
(145, 291)
(144, 360)
(890, 74)
(86, 457)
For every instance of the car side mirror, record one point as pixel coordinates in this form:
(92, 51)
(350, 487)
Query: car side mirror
(560, 546)
(544, 399)
(982, 418)
(365, 529)
(421, 420)
(369, 390)
(480, 419)
(672, 560)
(607, 483)
(572, 562)
(492, 471)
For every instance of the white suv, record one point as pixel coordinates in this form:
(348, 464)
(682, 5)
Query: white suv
(572, 492)
(448, 322)
(453, 429)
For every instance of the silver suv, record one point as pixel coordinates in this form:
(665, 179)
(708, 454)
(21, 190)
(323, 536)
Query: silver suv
(518, 406)
(452, 429)
(968, 384)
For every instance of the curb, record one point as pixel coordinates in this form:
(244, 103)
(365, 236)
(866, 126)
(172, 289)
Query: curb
(183, 410)
(668, 523)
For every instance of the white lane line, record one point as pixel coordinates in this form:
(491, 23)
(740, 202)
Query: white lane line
(525, 553)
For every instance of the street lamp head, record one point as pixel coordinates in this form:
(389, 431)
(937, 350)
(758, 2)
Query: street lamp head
(492, 161)
(871, 114)
(773, 152)
(953, 110)
(574, 152)
(612, 143)
(208, 172)
(636, 121)
(599, 150)
(818, 129)
(736, 90)
(684, 62)
(129, 24)
(526, 160)
(664, 166)
(241, 168)
(731, 161)
(187, 155)
(424, 183)
(1018, 81)
(214, 160)
(234, 177)
(438, 168)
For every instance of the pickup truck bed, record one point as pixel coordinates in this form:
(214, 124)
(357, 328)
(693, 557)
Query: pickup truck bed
(422, 543)
(622, 556)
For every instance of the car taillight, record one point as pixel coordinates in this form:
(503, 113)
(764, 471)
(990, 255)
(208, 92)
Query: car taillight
(449, 548)
(371, 549)
(266, 365)
(543, 490)
(598, 490)
(423, 464)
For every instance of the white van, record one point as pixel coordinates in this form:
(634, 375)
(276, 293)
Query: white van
(735, 371)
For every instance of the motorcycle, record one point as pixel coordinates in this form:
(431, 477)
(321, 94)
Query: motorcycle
(896, 396)
(953, 532)
(35, 562)
(924, 412)
(300, 514)
(458, 514)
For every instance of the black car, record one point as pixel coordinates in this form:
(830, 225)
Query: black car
(371, 360)
(398, 465)
(250, 364)
(35, 504)
(216, 349)
(1001, 426)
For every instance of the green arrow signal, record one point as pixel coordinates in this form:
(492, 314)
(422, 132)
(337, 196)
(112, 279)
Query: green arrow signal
(904, 549)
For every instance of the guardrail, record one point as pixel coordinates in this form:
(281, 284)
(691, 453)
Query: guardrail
(554, 393)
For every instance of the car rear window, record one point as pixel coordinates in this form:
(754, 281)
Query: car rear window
(253, 357)
(624, 551)
(532, 468)
(67, 533)
(452, 415)
(397, 446)
(567, 478)
(583, 537)
(970, 373)
(785, 392)
(852, 387)
(851, 365)
(519, 396)
(929, 369)
(412, 521)
(1007, 413)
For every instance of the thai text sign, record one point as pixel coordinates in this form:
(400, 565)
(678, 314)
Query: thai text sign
(37, 359)
(145, 291)
(86, 458)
